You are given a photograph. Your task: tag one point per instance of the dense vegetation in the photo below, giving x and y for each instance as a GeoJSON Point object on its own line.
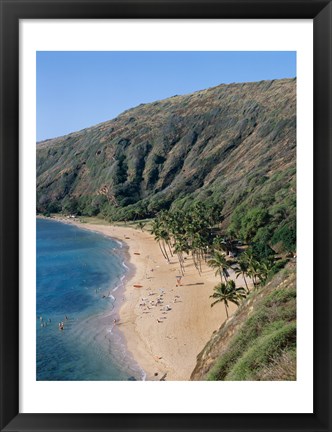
{"type": "Point", "coordinates": [231, 146]}
{"type": "Point", "coordinates": [197, 231]}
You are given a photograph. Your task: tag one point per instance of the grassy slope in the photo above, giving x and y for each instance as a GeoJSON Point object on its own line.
{"type": "Point", "coordinates": [259, 341]}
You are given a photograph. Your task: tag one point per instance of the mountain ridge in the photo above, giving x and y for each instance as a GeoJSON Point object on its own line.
{"type": "Point", "coordinates": [214, 145]}
{"type": "Point", "coordinates": [153, 102]}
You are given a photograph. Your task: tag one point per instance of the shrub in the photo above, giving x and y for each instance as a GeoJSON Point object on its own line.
{"type": "Point", "coordinates": [262, 352]}
{"type": "Point", "coordinates": [285, 238]}
{"type": "Point", "coordinates": [261, 251]}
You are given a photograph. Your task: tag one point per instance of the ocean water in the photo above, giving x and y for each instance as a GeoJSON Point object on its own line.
{"type": "Point", "coordinates": [80, 283]}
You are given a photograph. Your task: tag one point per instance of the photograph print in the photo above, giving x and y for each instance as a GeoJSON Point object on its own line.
{"type": "Point", "coordinates": [166, 216]}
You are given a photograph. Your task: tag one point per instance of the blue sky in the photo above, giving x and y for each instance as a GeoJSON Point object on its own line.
{"type": "Point", "coordinates": [76, 90]}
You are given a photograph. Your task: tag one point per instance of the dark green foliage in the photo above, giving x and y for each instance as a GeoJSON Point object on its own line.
{"type": "Point", "coordinates": [285, 236]}
{"type": "Point", "coordinates": [253, 220]}
{"type": "Point", "coordinates": [263, 234]}
{"type": "Point", "coordinates": [277, 266]}
{"type": "Point", "coordinates": [120, 173]}
{"type": "Point", "coordinates": [265, 211]}
{"type": "Point", "coordinates": [70, 205]}
{"type": "Point", "coordinates": [261, 251]}
{"type": "Point", "coordinates": [158, 159]}
{"type": "Point", "coordinates": [92, 206]}
{"type": "Point", "coordinates": [54, 207]}
{"type": "Point", "coordinates": [153, 177]}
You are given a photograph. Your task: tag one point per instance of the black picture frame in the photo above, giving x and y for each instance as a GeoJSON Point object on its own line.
{"type": "Point", "coordinates": [14, 10]}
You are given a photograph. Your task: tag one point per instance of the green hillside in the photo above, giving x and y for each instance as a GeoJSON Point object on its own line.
{"type": "Point", "coordinates": [232, 147]}
{"type": "Point", "coordinates": [258, 343]}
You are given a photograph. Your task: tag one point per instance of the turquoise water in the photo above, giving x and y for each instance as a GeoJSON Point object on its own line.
{"type": "Point", "coordinates": [80, 283]}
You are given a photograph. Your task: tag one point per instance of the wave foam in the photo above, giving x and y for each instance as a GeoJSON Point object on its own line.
{"type": "Point", "coordinates": [119, 243]}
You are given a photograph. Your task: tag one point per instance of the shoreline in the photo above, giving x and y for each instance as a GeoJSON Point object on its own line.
{"type": "Point", "coordinates": [117, 292]}
{"type": "Point", "coordinates": [164, 339]}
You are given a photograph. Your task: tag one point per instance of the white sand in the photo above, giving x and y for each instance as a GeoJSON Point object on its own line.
{"type": "Point", "coordinates": [171, 345]}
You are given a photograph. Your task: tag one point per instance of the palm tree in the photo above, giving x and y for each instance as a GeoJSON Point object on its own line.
{"type": "Point", "coordinates": [220, 263]}
{"type": "Point", "coordinates": [254, 271]}
{"type": "Point", "coordinates": [242, 270]}
{"type": "Point", "coordinates": [228, 292]}
{"type": "Point", "coordinates": [141, 225]}
{"type": "Point", "coordinates": [180, 247]}
{"type": "Point", "coordinates": [157, 231]}
{"type": "Point", "coordinates": [265, 269]}
{"type": "Point", "coordinates": [217, 243]}
{"type": "Point", "coordinates": [226, 244]}
{"type": "Point", "coordinates": [252, 266]}
{"type": "Point", "coordinates": [165, 220]}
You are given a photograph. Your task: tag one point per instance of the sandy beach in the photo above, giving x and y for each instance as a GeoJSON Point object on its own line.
{"type": "Point", "coordinates": [164, 338]}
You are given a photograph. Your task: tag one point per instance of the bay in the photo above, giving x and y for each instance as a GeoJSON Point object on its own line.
{"type": "Point", "coordinates": [80, 277]}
